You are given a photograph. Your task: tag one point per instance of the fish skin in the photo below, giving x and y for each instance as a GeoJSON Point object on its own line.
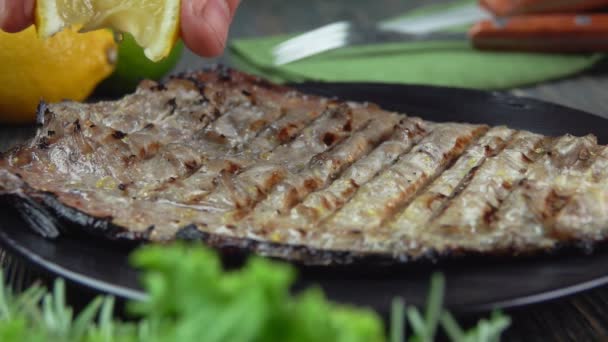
{"type": "Point", "coordinates": [242, 164]}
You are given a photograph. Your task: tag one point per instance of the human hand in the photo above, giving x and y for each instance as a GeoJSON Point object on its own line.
{"type": "Point", "coordinates": [204, 23]}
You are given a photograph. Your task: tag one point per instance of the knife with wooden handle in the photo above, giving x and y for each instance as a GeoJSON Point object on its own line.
{"type": "Point", "coordinates": [504, 8]}
{"type": "Point", "coordinates": [565, 33]}
{"type": "Point", "coordinates": [551, 33]}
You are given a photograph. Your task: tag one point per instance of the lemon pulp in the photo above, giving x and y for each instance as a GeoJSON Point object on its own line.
{"type": "Point", "coordinates": [154, 24]}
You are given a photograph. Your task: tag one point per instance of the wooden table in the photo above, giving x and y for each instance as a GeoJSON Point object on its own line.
{"type": "Point", "coordinates": [583, 317]}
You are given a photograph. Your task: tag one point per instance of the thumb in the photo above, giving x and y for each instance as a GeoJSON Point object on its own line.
{"type": "Point", "coordinates": [205, 25]}
{"type": "Point", "coordinates": [16, 15]}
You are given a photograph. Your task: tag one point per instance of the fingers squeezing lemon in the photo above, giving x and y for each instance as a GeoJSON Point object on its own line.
{"type": "Point", "coordinates": [53, 62]}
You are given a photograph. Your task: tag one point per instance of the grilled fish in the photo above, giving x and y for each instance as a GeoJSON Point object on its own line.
{"type": "Point", "coordinates": [237, 162]}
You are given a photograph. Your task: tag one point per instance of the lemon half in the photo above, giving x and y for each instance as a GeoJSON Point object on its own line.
{"type": "Point", "coordinates": [153, 23]}
{"type": "Point", "coordinates": [68, 65]}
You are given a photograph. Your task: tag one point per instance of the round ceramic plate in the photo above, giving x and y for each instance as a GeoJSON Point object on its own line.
{"type": "Point", "coordinates": [473, 284]}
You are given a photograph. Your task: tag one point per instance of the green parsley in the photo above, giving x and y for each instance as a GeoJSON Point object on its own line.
{"type": "Point", "coordinates": [191, 298]}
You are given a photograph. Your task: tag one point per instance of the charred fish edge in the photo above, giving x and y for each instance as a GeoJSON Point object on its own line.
{"type": "Point", "coordinates": [65, 220]}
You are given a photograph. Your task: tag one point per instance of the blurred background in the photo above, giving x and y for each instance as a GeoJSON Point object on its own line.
{"type": "Point", "coordinates": [581, 84]}
{"type": "Point", "coordinates": [71, 65]}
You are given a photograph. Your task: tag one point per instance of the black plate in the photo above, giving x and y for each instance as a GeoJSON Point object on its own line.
{"type": "Point", "coordinates": [473, 284]}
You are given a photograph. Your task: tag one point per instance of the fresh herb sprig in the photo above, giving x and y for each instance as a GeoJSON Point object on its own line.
{"type": "Point", "coordinates": [191, 298]}
{"type": "Point", "coordinates": [426, 326]}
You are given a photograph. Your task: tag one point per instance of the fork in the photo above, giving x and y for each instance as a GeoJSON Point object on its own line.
{"type": "Point", "coordinates": [344, 33]}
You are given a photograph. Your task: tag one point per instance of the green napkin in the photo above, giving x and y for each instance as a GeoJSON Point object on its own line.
{"type": "Point", "coordinates": [447, 63]}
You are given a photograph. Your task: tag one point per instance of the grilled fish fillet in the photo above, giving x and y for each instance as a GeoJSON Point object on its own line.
{"type": "Point", "coordinates": [240, 163]}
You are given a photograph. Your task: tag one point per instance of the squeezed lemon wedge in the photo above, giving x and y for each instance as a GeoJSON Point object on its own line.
{"type": "Point", "coordinates": [153, 23]}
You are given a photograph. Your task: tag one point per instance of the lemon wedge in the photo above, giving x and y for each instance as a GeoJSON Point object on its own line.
{"type": "Point", "coordinates": [153, 23]}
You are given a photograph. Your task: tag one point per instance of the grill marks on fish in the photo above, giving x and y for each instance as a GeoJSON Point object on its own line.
{"type": "Point", "coordinates": [319, 205]}
{"type": "Point", "coordinates": [239, 125]}
{"type": "Point", "coordinates": [244, 163]}
{"type": "Point", "coordinates": [321, 169]}
{"type": "Point", "coordinates": [299, 113]}
{"type": "Point", "coordinates": [414, 218]}
{"type": "Point", "coordinates": [547, 187]}
{"type": "Point", "coordinates": [243, 192]}
{"type": "Point", "coordinates": [294, 114]}
{"type": "Point", "coordinates": [114, 146]}
{"type": "Point", "coordinates": [584, 213]}
{"type": "Point", "coordinates": [383, 196]}
{"type": "Point", "coordinates": [167, 161]}
{"type": "Point", "coordinates": [470, 213]}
